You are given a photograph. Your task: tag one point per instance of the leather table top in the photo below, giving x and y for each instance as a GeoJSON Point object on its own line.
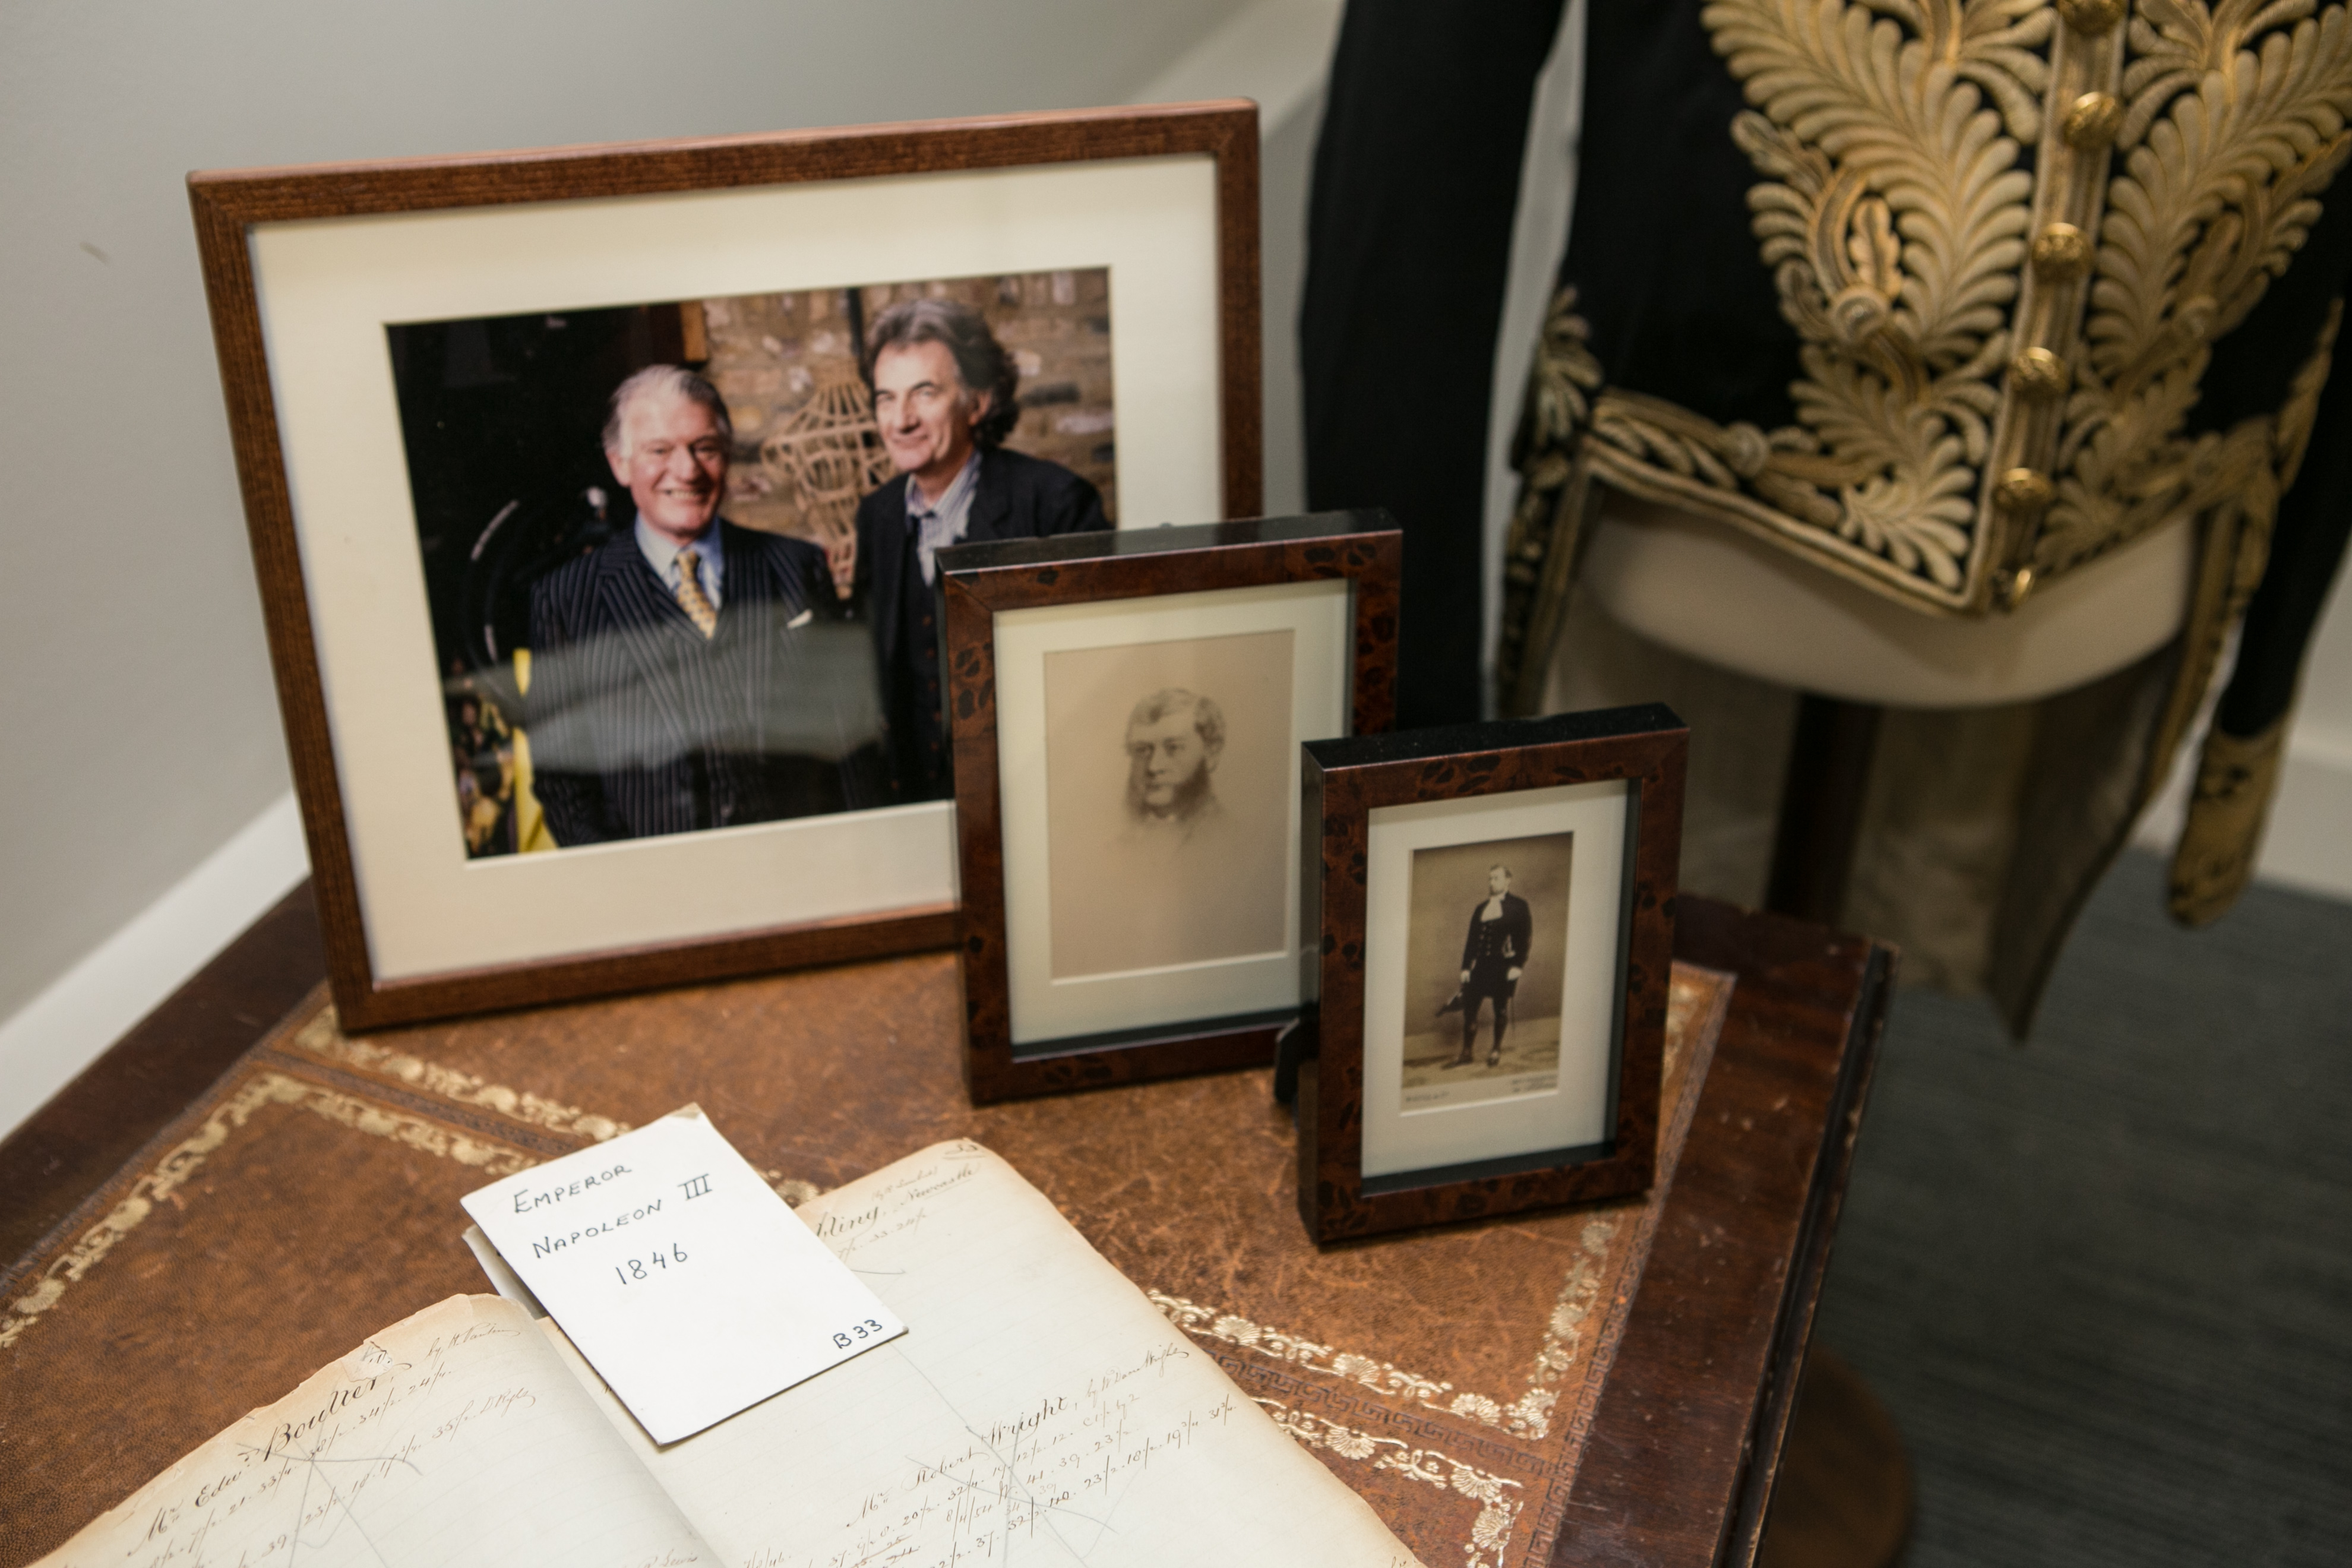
{"type": "Point", "coordinates": [311, 1196]}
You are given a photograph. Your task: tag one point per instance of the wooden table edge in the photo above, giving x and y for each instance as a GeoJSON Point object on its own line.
{"type": "Point", "coordinates": [1819, 1228]}
{"type": "Point", "coordinates": [1724, 1473]}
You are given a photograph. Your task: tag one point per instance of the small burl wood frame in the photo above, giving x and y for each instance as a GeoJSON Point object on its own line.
{"type": "Point", "coordinates": [1322, 1068]}
{"type": "Point", "coordinates": [229, 203]}
{"type": "Point", "coordinates": [977, 582]}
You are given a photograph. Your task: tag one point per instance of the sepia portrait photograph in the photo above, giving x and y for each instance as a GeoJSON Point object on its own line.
{"type": "Point", "coordinates": [1492, 936]}
{"type": "Point", "coordinates": [1167, 784]}
{"type": "Point", "coordinates": [680, 557]}
{"type": "Point", "coordinates": [1491, 924]}
{"type": "Point", "coordinates": [1487, 937]}
{"type": "Point", "coordinates": [1146, 754]}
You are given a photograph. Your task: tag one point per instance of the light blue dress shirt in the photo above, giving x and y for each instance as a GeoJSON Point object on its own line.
{"type": "Point", "coordinates": [661, 553]}
{"type": "Point", "coordinates": [941, 524]}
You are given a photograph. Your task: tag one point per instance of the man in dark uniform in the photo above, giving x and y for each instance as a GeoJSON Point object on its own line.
{"type": "Point", "coordinates": [944, 400]}
{"type": "Point", "coordinates": [1494, 956]}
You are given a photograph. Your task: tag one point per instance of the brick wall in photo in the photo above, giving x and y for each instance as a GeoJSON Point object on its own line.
{"type": "Point", "coordinates": [805, 446]}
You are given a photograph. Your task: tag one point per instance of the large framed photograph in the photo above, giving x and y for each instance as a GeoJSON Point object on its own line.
{"type": "Point", "coordinates": [1127, 714]}
{"type": "Point", "coordinates": [596, 497]}
{"type": "Point", "coordinates": [1495, 910]}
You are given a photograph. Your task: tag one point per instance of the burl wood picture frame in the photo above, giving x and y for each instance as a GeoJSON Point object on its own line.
{"type": "Point", "coordinates": [1559, 839]}
{"type": "Point", "coordinates": [1126, 713]}
{"type": "Point", "coordinates": [308, 270]}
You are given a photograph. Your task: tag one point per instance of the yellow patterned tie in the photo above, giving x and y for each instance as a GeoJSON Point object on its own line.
{"type": "Point", "coordinates": [690, 597]}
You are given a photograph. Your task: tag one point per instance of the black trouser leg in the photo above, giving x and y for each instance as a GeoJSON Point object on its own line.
{"type": "Point", "coordinates": [1469, 1027]}
{"type": "Point", "coordinates": [1502, 1019]}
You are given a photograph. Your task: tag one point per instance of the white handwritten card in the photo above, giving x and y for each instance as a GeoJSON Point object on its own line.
{"type": "Point", "coordinates": [683, 1279]}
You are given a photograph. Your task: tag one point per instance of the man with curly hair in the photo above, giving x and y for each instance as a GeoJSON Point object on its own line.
{"type": "Point", "coordinates": [945, 398]}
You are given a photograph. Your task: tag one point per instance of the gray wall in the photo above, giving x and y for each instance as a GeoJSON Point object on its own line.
{"type": "Point", "coordinates": [134, 686]}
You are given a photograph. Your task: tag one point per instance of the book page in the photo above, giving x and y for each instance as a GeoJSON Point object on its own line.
{"type": "Point", "coordinates": [1038, 1409]}
{"type": "Point", "coordinates": [454, 1437]}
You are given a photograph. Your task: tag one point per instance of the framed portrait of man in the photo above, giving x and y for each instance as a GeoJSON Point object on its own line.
{"type": "Point", "coordinates": [1127, 714]}
{"type": "Point", "coordinates": [598, 495]}
{"type": "Point", "coordinates": [1495, 910]}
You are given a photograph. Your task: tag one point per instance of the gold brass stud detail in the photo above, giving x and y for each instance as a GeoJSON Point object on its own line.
{"type": "Point", "coordinates": [2091, 18]}
{"type": "Point", "coordinates": [2023, 490]}
{"type": "Point", "coordinates": [2015, 586]}
{"type": "Point", "coordinates": [2061, 253]}
{"type": "Point", "coordinates": [2038, 373]}
{"type": "Point", "coordinates": [2093, 120]}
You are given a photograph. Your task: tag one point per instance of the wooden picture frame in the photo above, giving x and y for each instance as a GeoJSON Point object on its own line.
{"type": "Point", "coordinates": [1116, 605]}
{"type": "Point", "coordinates": [299, 264]}
{"type": "Point", "coordinates": [1387, 1140]}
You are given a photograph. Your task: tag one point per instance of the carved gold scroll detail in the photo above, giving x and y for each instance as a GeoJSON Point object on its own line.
{"type": "Point", "coordinates": [1963, 320]}
{"type": "Point", "coordinates": [1893, 215]}
{"type": "Point", "coordinates": [2233, 123]}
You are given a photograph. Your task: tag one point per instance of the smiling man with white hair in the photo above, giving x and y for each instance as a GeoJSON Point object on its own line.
{"type": "Point", "coordinates": [675, 677]}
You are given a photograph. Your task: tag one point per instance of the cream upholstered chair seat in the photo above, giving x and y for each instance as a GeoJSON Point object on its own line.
{"type": "Point", "coordinates": [1712, 593]}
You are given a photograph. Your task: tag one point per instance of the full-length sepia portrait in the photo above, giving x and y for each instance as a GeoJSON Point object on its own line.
{"type": "Point", "coordinates": [1484, 969]}
{"type": "Point", "coordinates": [1494, 931]}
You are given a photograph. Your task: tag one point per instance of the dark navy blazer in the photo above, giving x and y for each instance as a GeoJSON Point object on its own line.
{"type": "Point", "coordinates": [1015, 496]}
{"type": "Point", "coordinates": [1494, 948]}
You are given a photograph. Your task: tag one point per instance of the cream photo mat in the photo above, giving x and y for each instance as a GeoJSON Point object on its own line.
{"type": "Point", "coordinates": [1320, 617]}
{"type": "Point", "coordinates": [328, 288]}
{"type": "Point", "coordinates": [1578, 1113]}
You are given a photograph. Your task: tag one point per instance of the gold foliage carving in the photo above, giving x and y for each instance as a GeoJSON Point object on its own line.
{"type": "Point", "coordinates": [2233, 125]}
{"type": "Point", "coordinates": [1561, 381]}
{"type": "Point", "coordinates": [1897, 215]}
{"type": "Point", "coordinates": [1894, 215]}
{"type": "Point", "coordinates": [1554, 416]}
{"type": "Point", "coordinates": [2236, 778]}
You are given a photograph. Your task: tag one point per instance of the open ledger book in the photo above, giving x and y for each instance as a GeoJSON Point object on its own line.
{"type": "Point", "coordinates": [1039, 1409]}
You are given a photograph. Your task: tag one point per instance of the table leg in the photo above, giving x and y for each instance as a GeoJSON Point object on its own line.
{"type": "Point", "coordinates": [1843, 1495]}
{"type": "Point", "coordinates": [1821, 807]}
{"type": "Point", "coordinates": [1843, 1499]}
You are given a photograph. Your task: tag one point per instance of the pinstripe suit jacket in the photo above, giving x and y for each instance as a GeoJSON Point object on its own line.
{"type": "Point", "coordinates": [639, 726]}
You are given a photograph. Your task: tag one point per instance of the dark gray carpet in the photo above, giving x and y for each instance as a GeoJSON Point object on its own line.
{"type": "Point", "coordinates": [2103, 1281]}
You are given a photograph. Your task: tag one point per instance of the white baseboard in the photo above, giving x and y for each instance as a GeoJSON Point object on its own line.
{"type": "Point", "coordinates": [2309, 844]}
{"type": "Point", "coordinates": [64, 1029]}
